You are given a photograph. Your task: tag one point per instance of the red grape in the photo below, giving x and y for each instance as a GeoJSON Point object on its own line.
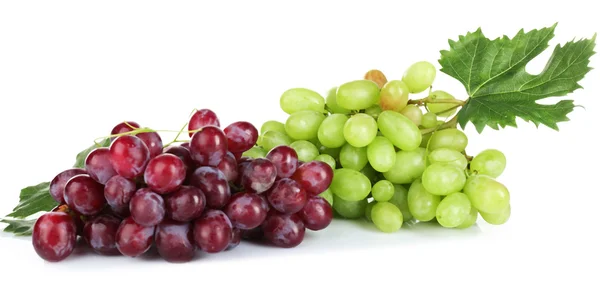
{"type": "Point", "coordinates": [214, 185]}
{"type": "Point", "coordinates": [100, 233]}
{"type": "Point", "coordinates": [209, 146]}
{"type": "Point", "coordinates": [98, 166]}
{"type": "Point", "coordinates": [241, 136]}
{"type": "Point", "coordinates": [238, 156]}
{"type": "Point", "coordinates": [317, 213]}
{"type": "Point", "coordinates": [152, 141]}
{"type": "Point", "coordinates": [124, 127]}
{"type": "Point", "coordinates": [314, 176]}
{"type": "Point", "coordinates": [118, 192]}
{"type": "Point", "coordinates": [185, 204]}
{"type": "Point", "coordinates": [285, 160]}
{"type": "Point", "coordinates": [129, 156]}
{"type": "Point", "coordinates": [54, 236]}
{"type": "Point", "coordinates": [203, 118]}
{"type": "Point", "coordinates": [183, 154]}
{"type": "Point", "coordinates": [186, 145]}
{"type": "Point", "coordinates": [287, 196]}
{"type": "Point", "coordinates": [236, 238]}
{"type": "Point", "coordinates": [133, 239]}
{"type": "Point", "coordinates": [165, 173]}
{"type": "Point", "coordinates": [229, 167]}
{"type": "Point", "coordinates": [247, 210]}
{"type": "Point", "coordinates": [259, 175]}
{"type": "Point", "coordinates": [57, 185]}
{"type": "Point", "coordinates": [212, 231]}
{"type": "Point", "coordinates": [147, 207]}
{"type": "Point", "coordinates": [84, 195]}
{"type": "Point", "coordinates": [174, 241]}
{"type": "Point", "coordinates": [283, 230]}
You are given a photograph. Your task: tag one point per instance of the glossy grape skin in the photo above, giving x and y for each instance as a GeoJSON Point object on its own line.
{"type": "Point", "coordinates": [438, 108]}
{"type": "Point", "coordinates": [315, 177]}
{"type": "Point", "coordinates": [57, 185]}
{"type": "Point", "coordinates": [349, 209]}
{"type": "Point", "coordinates": [409, 166]}
{"type": "Point", "coordinates": [175, 241]}
{"type": "Point", "coordinates": [54, 236]}
{"type": "Point", "coordinates": [350, 184]}
{"type": "Point", "coordinates": [470, 220]}
{"type": "Point", "coordinates": [332, 104]}
{"type": "Point", "coordinates": [381, 154]}
{"type": "Point", "coordinates": [213, 183]}
{"type": "Point", "coordinates": [327, 195]}
{"type": "Point", "coordinates": [287, 196]}
{"type": "Point", "coordinates": [246, 210]}
{"type": "Point", "coordinates": [185, 204]}
{"type": "Point", "coordinates": [118, 191]}
{"type": "Point", "coordinates": [490, 162]}
{"type": "Point", "coordinates": [98, 166]}
{"type": "Point", "coordinates": [236, 238]}
{"type": "Point", "coordinates": [100, 233]}
{"type": "Point", "coordinates": [285, 160]}
{"type": "Point", "coordinates": [413, 113]}
{"type": "Point", "coordinates": [133, 239]}
{"type": "Point", "coordinates": [353, 157]}
{"type": "Point", "coordinates": [386, 217]}
{"type": "Point", "coordinates": [317, 214]}
{"type": "Point", "coordinates": [283, 230]}
{"type": "Point", "coordinates": [443, 179]}
{"type": "Point", "coordinates": [383, 190]}
{"type": "Point", "coordinates": [498, 218]}
{"type": "Point", "coordinates": [229, 167]}
{"type": "Point", "coordinates": [147, 207]}
{"type": "Point", "coordinates": [259, 175]}
{"type": "Point", "coordinates": [129, 156]}
{"type": "Point", "coordinates": [272, 139]}
{"type": "Point", "coordinates": [212, 231]}
{"type": "Point", "coordinates": [301, 99]}
{"type": "Point", "coordinates": [124, 127]}
{"type": "Point", "coordinates": [400, 200]}
{"type": "Point", "coordinates": [394, 96]}
{"type": "Point", "coordinates": [448, 156]}
{"type": "Point", "coordinates": [376, 76]}
{"type": "Point", "coordinates": [241, 136]}
{"type": "Point", "coordinates": [400, 130]}
{"type": "Point", "coordinates": [453, 210]}
{"type": "Point", "coordinates": [357, 95]}
{"type": "Point", "coordinates": [306, 151]}
{"type": "Point", "coordinates": [202, 118]}
{"type": "Point", "coordinates": [185, 156]}
{"type": "Point", "coordinates": [304, 125]}
{"type": "Point", "coordinates": [209, 146]}
{"type": "Point", "coordinates": [449, 138]}
{"type": "Point", "coordinates": [84, 195]}
{"type": "Point", "coordinates": [331, 131]}
{"type": "Point", "coordinates": [360, 130]}
{"type": "Point", "coordinates": [429, 120]}
{"type": "Point", "coordinates": [419, 76]}
{"type": "Point", "coordinates": [165, 173]}
{"type": "Point", "coordinates": [487, 194]}
{"type": "Point", "coordinates": [421, 203]}
{"type": "Point", "coordinates": [272, 125]}
{"type": "Point", "coordinates": [255, 152]}
{"type": "Point", "coordinates": [327, 159]}
{"type": "Point", "coordinates": [153, 142]}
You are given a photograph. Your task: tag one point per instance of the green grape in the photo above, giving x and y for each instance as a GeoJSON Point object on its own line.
{"type": "Point", "coordinates": [300, 99]}
{"type": "Point", "coordinates": [413, 113]}
{"type": "Point", "coordinates": [421, 203]}
{"type": "Point", "coordinates": [349, 209]}
{"type": "Point", "coordinates": [331, 131]}
{"type": "Point", "coordinates": [350, 184]}
{"type": "Point", "coordinates": [353, 157]}
{"type": "Point", "coordinates": [443, 179]}
{"type": "Point", "coordinates": [272, 126]}
{"type": "Point", "coordinates": [333, 152]}
{"type": "Point", "coordinates": [470, 220]}
{"type": "Point", "coordinates": [429, 120]}
{"type": "Point", "coordinates": [306, 151]}
{"type": "Point", "coordinates": [370, 173]}
{"type": "Point", "coordinates": [449, 138]}
{"type": "Point", "coordinates": [448, 156]}
{"type": "Point", "coordinates": [487, 194]}
{"type": "Point", "coordinates": [425, 140]}
{"type": "Point", "coordinates": [327, 195]}
{"type": "Point", "coordinates": [400, 130]}
{"type": "Point", "coordinates": [332, 104]}
{"type": "Point", "coordinates": [400, 200]}
{"type": "Point", "coordinates": [272, 139]}
{"type": "Point", "coordinates": [490, 162]}
{"type": "Point", "coordinates": [255, 152]}
{"type": "Point", "coordinates": [453, 210]}
{"type": "Point", "coordinates": [386, 217]}
{"type": "Point", "coordinates": [393, 96]}
{"type": "Point", "coordinates": [497, 218]}
{"type": "Point", "coordinates": [368, 210]}
{"type": "Point", "coordinates": [360, 130]}
{"type": "Point", "coordinates": [408, 167]}
{"type": "Point", "coordinates": [383, 190]}
{"type": "Point", "coordinates": [304, 125]}
{"type": "Point", "coordinates": [357, 95]}
{"type": "Point", "coordinates": [441, 109]}
{"type": "Point", "coordinates": [327, 159]}
{"type": "Point", "coordinates": [373, 111]}
{"type": "Point", "coordinates": [419, 76]}
{"type": "Point", "coordinates": [381, 154]}
{"type": "Point", "coordinates": [315, 141]}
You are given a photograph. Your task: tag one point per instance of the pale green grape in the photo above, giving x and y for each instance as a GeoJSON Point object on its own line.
{"type": "Point", "coordinates": [490, 162]}
{"type": "Point", "coordinates": [400, 200]}
{"type": "Point", "coordinates": [304, 125]}
{"type": "Point", "coordinates": [487, 194]}
{"type": "Point", "coordinates": [453, 210]}
{"type": "Point", "coordinates": [425, 140]}
{"type": "Point", "coordinates": [272, 126]}
{"type": "Point", "coordinates": [360, 130]}
{"type": "Point", "coordinates": [350, 184]}
{"type": "Point", "coordinates": [373, 111]}
{"type": "Point", "coordinates": [357, 95]}
{"type": "Point", "coordinates": [449, 138]}
{"type": "Point", "coordinates": [327, 195]}
{"type": "Point", "coordinates": [421, 203]}
{"type": "Point", "coordinates": [429, 120]}
{"type": "Point", "coordinates": [327, 159]}
{"type": "Point", "coordinates": [332, 104]}
{"type": "Point", "coordinates": [368, 210]}
{"type": "Point", "coordinates": [331, 131]}
{"type": "Point", "coordinates": [333, 152]}
{"type": "Point", "coordinates": [353, 157]}
{"type": "Point", "coordinates": [497, 218]}
{"type": "Point", "coordinates": [255, 152]}
{"type": "Point", "coordinates": [443, 179]}
{"type": "Point", "coordinates": [272, 139]}
{"type": "Point", "coordinates": [470, 220]}
{"type": "Point", "coordinates": [306, 151]}
{"type": "Point", "coordinates": [441, 109]}
{"type": "Point", "coordinates": [408, 167]}
{"type": "Point", "coordinates": [413, 113]}
{"type": "Point", "coordinates": [448, 156]}
{"type": "Point", "coordinates": [383, 190]}
{"type": "Point", "coordinates": [393, 96]}
{"type": "Point", "coordinates": [370, 173]}
{"type": "Point", "coordinates": [400, 130]}
{"type": "Point", "coordinates": [381, 154]}
{"type": "Point", "coordinates": [300, 99]}
{"type": "Point", "coordinates": [386, 217]}
{"type": "Point", "coordinates": [348, 208]}
{"type": "Point", "coordinates": [419, 76]}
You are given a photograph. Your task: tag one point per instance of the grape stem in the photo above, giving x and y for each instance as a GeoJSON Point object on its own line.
{"type": "Point", "coordinates": [450, 124]}
{"type": "Point", "coordinates": [428, 100]}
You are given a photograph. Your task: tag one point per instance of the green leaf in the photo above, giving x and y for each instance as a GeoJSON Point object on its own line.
{"type": "Point", "coordinates": [80, 159]}
{"type": "Point", "coordinates": [500, 89]}
{"type": "Point", "coordinates": [19, 227]}
{"type": "Point", "coordinates": [34, 199]}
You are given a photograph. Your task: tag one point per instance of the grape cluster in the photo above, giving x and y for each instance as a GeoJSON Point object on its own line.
{"type": "Point", "coordinates": [201, 194]}
{"type": "Point", "coordinates": [395, 159]}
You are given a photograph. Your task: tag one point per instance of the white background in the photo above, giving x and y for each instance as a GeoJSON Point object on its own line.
{"type": "Point", "coordinates": [71, 70]}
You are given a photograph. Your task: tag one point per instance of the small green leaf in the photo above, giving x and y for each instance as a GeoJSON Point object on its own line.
{"type": "Point", "coordinates": [34, 199]}
{"type": "Point", "coordinates": [19, 227]}
{"type": "Point", "coordinates": [81, 156]}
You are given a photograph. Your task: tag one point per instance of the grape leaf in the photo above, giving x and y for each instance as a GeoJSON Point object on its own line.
{"type": "Point", "coordinates": [80, 159]}
{"type": "Point", "coordinates": [500, 89]}
{"type": "Point", "coordinates": [19, 227]}
{"type": "Point", "coordinates": [34, 199]}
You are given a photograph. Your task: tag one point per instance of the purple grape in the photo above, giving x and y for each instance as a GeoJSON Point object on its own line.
{"type": "Point", "coordinates": [213, 184]}
{"type": "Point", "coordinates": [185, 156]}
{"type": "Point", "coordinates": [247, 210]}
{"type": "Point", "coordinates": [229, 167]}
{"type": "Point", "coordinates": [314, 176]}
{"type": "Point", "coordinates": [287, 196]}
{"type": "Point", "coordinates": [283, 230]}
{"type": "Point", "coordinates": [209, 146]}
{"type": "Point", "coordinates": [212, 231]}
{"type": "Point", "coordinates": [174, 241]}
{"type": "Point", "coordinates": [259, 175]}
{"type": "Point", "coordinates": [317, 213]}
{"type": "Point", "coordinates": [241, 136]}
{"type": "Point", "coordinates": [285, 160]}
{"type": "Point", "coordinates": [129, 156]}
{"type": "Point", "coordinates": [203, 118]}
{"type": "Point", "coordinates": [124, 127]}
{"type": "Point", "coordinates": [100, 233]}
{"type": "Point", "coordinates": [147, 208]}
{"type": "Point", "coordinates": [133, 239]}
{"type": "Point", "coordinates": [185, 204]}
{"type": "Point", "coordinates": [236, 238]}
{"type": "Point", "coordinates": [153, 142]}
{"type": "Point", "coordinates": [165, 173]}
{"type": "Point", "coordinates": [54, 236]}
{"type": "Point", "coordinates": [84, 195]}
{"type": "Point", "coordinates": [186, 145]}
{"type": "Point", "coordinates": [57, 185]}
{"type": "Point", "coordinates": [118, 191]}
{"type": "Point", "coordinates": [98, 166]}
